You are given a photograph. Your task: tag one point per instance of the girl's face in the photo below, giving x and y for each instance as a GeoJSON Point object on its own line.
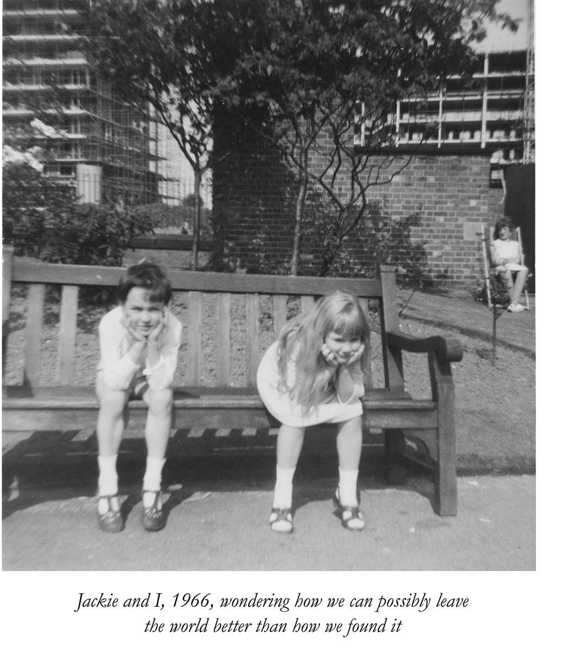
{"type": "Point", "coordinates": [504, 233]}
{"type": "Point", "coordinates": [140, 313]}
{"type": "Point", "coordinates": [342, 346]}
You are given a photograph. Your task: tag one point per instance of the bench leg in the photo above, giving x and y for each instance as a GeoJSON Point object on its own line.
{"type": "Point", "coordinates": [394, 449]}
{"type": "Point", "coordinates": [445, 486]}
{"type": "Point", "coordinates": [445, 481]}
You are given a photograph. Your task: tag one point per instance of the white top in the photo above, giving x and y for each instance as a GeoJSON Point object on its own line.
{"type": "Point", "coordinates": [289, 411]}
{"type": "Point", "coordinates": [506, 251]}
{"type": "Point", "coordinates": [119, 370]}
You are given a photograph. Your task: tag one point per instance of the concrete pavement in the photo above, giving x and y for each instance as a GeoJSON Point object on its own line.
{"type": "Point", "coordinates": [225, 528]}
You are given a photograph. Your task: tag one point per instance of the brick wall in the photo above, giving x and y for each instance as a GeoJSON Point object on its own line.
{"type": "Point", "coordinates": [254, 195]}
{"type": "Point", "coordinates": [451, 194]}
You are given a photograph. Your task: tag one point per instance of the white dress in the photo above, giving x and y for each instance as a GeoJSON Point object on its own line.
{"type": "Point", "coordinates": [288, 411]}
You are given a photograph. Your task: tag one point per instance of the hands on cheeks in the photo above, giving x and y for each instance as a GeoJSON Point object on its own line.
{"type": "Point", "coordinates": [156, 332]}
{"type": "Point", "coordinates": [151, 337]}
{"type": "Point", "coordinates": [334, 359]}
{"type": "Point", "coordinates": [144, 346]}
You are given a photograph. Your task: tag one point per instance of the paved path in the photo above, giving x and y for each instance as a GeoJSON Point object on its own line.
{"type": "Point", "coordinates": [225, 529]}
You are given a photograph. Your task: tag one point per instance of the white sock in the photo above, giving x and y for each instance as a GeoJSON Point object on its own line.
{"type": "Point", "coordinates": [348, 482]}
{"type": "Point", "coordinates": [283, 492]}
{"type": "Point", "coordinates": [107, 475]}
{"type": "Point", "coordinates": [152, 477]}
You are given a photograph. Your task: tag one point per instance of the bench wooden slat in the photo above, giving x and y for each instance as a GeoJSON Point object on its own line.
{"type": "Point", "coordinates": [392, 359]}
{"type": "Point", "coordinates": [195, 433]}
{"type": "Point", "coordinates": [193, 330]}
{"type": "Point", "coordinates": [236, 414]}
{"type": "Point", "coordinates": [369, 378]}
{"type": "Point", "coordinates": [28, 271]}
{"type": "Point", "coordinates": [67, 333]}
{"type": "Point", "coordinates": [374, 380]}
{"type": "Point", "coordinates": [307, 302]}
{"type": "Point", "coordinates": [7, 265]}
{"type": "Point", "coordinates": [279, 313]}
{"type": "Point", "coordinates": [34, 323]}
{"type": "Point", "coordinates": [223, 339]}
{"type": "Point", "coordinates": [252, 337]}
{"type": "Point", "coordinates": [60, 395]}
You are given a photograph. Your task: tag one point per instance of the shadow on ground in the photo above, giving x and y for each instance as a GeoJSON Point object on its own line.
{"type": "Point", "coordinates": [62, 465]}
{"type": "Point", "coordinates": [57, 465]}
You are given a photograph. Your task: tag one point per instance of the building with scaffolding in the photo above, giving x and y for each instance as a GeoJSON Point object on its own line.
{"type": "Point", "coordinates": [489, 113]}
{"type": "Point", "coordinates": [51, 98]}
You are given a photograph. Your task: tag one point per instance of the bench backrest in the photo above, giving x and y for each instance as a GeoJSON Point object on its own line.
{"type": "Point", "coordinates": [217, 292]}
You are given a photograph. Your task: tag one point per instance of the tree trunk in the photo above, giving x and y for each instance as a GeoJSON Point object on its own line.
{"type": "Point", "coordinates": [299, 212]}
{"type": "Point", "coordinates": [196, 221]}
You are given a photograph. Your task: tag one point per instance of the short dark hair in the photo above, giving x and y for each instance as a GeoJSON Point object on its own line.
{"type": "Point", "coordinates": [145, 274]}
{"type": "Point", "coordinates": [505, 221]}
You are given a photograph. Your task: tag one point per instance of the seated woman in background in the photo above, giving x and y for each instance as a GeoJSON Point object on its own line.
{"type": "Point", "coordinates": [506, 256]}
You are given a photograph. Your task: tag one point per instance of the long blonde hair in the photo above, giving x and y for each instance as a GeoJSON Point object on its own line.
{"type": "Point", "coordinates": [301, 340]}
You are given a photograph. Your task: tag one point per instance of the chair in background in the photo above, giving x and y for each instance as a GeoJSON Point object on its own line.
{"type": "Point", "coordinates": [495, 288]}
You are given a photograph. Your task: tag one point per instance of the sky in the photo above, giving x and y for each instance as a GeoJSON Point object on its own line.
{"type": "Point", "coordinates": [503, 40]}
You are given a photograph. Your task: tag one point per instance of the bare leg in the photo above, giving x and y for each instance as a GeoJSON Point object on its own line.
{"type": "Point", "coordinates": [157, 430]}
{"type": "Point", "coordinates": [508, 279]}
{"type": "Point", "coordinates": [289, 445]}
{"type": "Point", "coordinates": [158, 425]}
{"type": "Point", "coordinates": [519, 284]}
{"type": "Point", "coordinates": [109, 430]}
{"type": "Point", "coordinates": [110, 422]}
{"type": "Point", "coordinates": [349, 446]}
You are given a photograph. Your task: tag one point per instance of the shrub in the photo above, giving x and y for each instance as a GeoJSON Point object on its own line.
{"type": "Point", "coordinates": [90, 234]}
{"type": "Point", "coordinates": [396, 247]}
{"type": "Point", "coordinates": [42, 219]}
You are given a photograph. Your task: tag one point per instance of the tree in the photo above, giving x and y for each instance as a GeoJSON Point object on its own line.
{"type": "Point", "coordinates": [149, 50]}
{"type": "Point", "coordinates": [297, 70]}
{"type": "Point", "coordinates": [313, 66]}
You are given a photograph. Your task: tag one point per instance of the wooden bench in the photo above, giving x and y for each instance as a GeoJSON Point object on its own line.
{"type": "Point", "coordinates": [264, 304]}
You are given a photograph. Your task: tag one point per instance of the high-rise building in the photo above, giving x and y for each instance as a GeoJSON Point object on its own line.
{"type": "Point", "coordinates": [52, 99]}
{"type": "Point", "coordinates": [486, 113]}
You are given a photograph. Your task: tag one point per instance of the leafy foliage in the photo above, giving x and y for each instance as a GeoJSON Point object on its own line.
{"type": "Point", "coordinates": [300, 72]}
{"type": "Point", "coordinates": [396, 247]}
{"type": "Point", "coordinates": [390, 239]}
{"type": "Point", "coordinates": [158, 61]}
{"type": "Point", "coordinates": [172, 218]}
{"type": "Point", "coordinates": [42, 219]}
{"type": "Point", "coordinates": [312, 66]}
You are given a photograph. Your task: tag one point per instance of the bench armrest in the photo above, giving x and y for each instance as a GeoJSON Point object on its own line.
{"type": "Point", "coordinates": [448, 349]}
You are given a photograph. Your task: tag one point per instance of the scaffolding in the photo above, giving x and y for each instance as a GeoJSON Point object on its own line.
{"type": "Point", "coordinates": [107, 148]}
{"type": "Point", "coordinates": [529, 105]}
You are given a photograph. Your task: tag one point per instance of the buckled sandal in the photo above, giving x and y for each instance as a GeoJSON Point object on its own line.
{"type": "Point", "coordinates": [281, 520]}
{"type": "Point", "coordinates": [153, 517]}
{"type": "Point", "coordinates": [350, 517]}
{"type": "Point", "coordinates": [111, 520]}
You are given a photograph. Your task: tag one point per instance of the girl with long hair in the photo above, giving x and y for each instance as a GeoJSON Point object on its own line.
{"type": "Point", "coordinates": [314, 374]}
